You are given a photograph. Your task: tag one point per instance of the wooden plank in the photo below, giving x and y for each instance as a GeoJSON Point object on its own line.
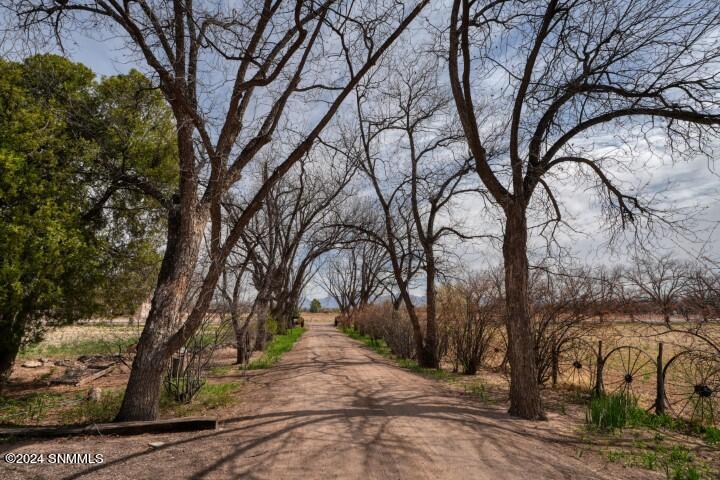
{"type": "Point", "coordinates": [170, 425]}
{"type": "Point", "coordinates": [95, 376]}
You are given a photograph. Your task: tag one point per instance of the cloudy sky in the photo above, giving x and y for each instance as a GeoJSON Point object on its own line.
{"type": "Point", "coordinates": [687, 186]}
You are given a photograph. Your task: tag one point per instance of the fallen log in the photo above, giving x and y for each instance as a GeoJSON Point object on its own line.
{"type": "Point", "coordinates": [171, 425]}
{"type": "Point", "coordinates": [95, 376]}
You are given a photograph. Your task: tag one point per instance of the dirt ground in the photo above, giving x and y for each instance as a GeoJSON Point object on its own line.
{"type": "Point", "coordinates": [334, 409]}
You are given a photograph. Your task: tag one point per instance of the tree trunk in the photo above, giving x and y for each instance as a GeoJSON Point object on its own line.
{"type": "Point", "coordinates": [525, 399]}
{"type": "Point", "coordinates": [261, 326]}
{"type": "Point", "coordinates": [242, 339]}
{"type": "Point", "coordinates": [429, 358]}
{"type": "Point", "coordinates": [142, 395]}
{"type": "Point", "coordinates": [9, 348]}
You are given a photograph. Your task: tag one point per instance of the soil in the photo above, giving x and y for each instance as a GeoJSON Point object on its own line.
{"type": "Point", "coordinates": [334, 409]}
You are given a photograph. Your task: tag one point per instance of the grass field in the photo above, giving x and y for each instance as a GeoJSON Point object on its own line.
{"type": "Point", "coordinates": [32, 398]}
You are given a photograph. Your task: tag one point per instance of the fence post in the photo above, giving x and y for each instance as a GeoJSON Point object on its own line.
{"type": "Point", "coordinates": [660, 391]}
{"type": "Point", "coordinates": [598, 370]}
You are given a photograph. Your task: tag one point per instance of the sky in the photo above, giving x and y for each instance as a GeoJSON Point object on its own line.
{"type": "Point", "coordinates": [690, 185]}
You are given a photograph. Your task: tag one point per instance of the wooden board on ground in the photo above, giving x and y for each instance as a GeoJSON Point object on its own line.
{"type": "Point", "coordinates": [95, 376]}
{"type": "Point", "coordinates": [120, 428]}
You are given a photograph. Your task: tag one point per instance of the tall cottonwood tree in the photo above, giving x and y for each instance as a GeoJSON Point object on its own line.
{"type": "Point", "coordinates": [560, 73]}
{"type": "Point", "coordinates": [408, 149]}
{"type": "Point", "coordinates": [296, 226]}
{"type": "Point", "coordinates": [261, 57]}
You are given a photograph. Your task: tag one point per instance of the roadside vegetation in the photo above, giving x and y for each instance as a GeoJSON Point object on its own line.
{"type": "Point", "coordinates": [654, 442]}
{"type": "Point", "coordinates": [278, 345]}
{"type": "Point", "coordinates": [378, 150]}
{"type": "Point", "coordinates": [614, 425]}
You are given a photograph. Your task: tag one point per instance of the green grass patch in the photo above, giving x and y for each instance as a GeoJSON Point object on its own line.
{"type": "Point", "coordinates": [676, 461]}
{"type": "Point", "coordinates": [79, 347]}
{"type": "Point", "coordinates": [84, 410]}
{"type": "Point", "coordinates": [606, 413]}
{"type": "Point", "coordinates": [609, 412]}
{"type": "Point", "coordinates": [223, 370]}
{"type": "Point", "coordinates": [29, 409]}
{"type": "Point", "coordinates": [210, 397]}
{"type": "Point", "coordinates": [436, 373]}
{"type": "Point", "coordinates": [280, 344]}
{"type": "Point", "coordinates": [711, 435]}
{"type": "Point", "coordinates": [379, 346]}
{"type": "Point", "coordinates": [65, 408]}
{"type": "Point", "coordinates": [74, 408]}
{"type": "Point", "coordinates": [478, 390]}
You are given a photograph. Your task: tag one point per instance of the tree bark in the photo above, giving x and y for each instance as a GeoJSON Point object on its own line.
{"type": "Point", "coordinates": [430, 352]}
{"type": "Point", "coordinates": [261, 325]}
{"type": "Point", "coordinates": [242, 339]}
{"type": "Point", "coordinates": [142, 395]}
{"type": "Point", "coordinates": [9, 348]}
{"type": "Point", "coordinates": [525, 399]}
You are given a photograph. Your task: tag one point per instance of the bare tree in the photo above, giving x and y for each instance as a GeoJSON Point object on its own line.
{"type": "Point", "coordinates": [272, 53]}
{"type": "Point", "coordinates": [296, 226]}
{"type": "Point", "coordinates": [407, 149]}
{"type": "Point", "coordinates": [356, 275]}
{"type": "Point", "coordinates": [472, 311]}
{"type": "Point", "coordinates": [669, 286]}
{"type": "Point", "coordinates": [702, 292]}
{"type": "Point", "coordinates": [571, 70]}
{"type": "Point", "coordinates": [232, 286]}
{"type": "Point", "coordinates": [660, 282]}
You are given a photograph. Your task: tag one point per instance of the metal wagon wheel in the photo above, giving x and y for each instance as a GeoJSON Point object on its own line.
{"type": "Point", "coordinates": [577, 364]}
{"type": "Point", "coordinates": [629, 371]}
{"type": "Point", "coordinates": [692, 386]}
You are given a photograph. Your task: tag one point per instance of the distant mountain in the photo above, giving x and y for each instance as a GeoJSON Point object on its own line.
{"type": "Point", "coordinates": [330, 303]}
{"type": "Point", "coordinates": [326, 302]}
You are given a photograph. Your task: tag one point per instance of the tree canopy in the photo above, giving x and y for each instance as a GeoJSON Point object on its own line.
{"type": "Point", "coordinates": [77, 236]}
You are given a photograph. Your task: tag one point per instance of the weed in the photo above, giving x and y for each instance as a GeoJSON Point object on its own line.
{"type": "Point", "coordinates": [221, 371]}
{"type": "Point", "coordinates": [377, 345]}
{"type": "Point", "coordinates": [711, 435]}
{"type": "Point", "coordinates": [478, 390]}
{"type": "Point", "coordinates": [27, 409]}
{"type": "Point", "coordinates": [609, 412]}
{"type": "Point", "coordinates": [209, 397]}
{"type": "Point", "coordinates": [678, 464]}
{"type": "Point", "coordinates": [86, 410]}
{"type": "Point", "coordinates": [435, 373]}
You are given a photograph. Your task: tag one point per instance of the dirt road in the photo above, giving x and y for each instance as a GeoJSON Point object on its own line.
{"type": "Point", "coordinates": [334, 409]}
